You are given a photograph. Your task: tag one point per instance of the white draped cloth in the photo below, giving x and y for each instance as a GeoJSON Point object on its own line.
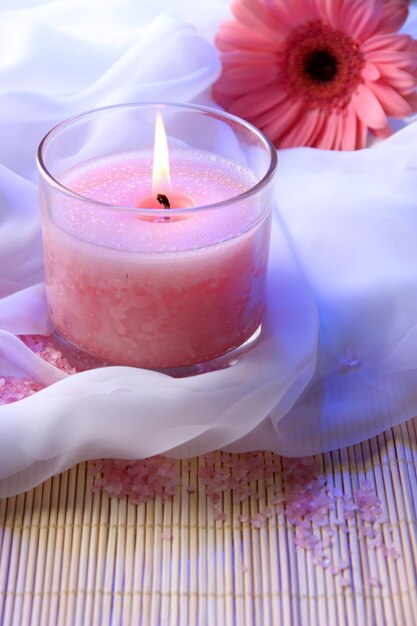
{"type": "Point", "coordinates": [337, 360]}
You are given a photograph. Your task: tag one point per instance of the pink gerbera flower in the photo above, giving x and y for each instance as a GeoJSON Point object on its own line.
{"type": "Point", "coordinates": [318, 72]}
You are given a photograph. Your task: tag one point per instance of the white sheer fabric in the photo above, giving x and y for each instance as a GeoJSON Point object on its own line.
{"type": "Point", "coordinates": [337, 361]}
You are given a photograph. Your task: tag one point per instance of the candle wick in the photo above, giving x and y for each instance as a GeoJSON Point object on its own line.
{"type": "Point", "coordinates": [162, 199]}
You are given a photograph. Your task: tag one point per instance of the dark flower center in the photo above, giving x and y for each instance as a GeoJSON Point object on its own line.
{"type": "Point", "coordinates": [321, 65]}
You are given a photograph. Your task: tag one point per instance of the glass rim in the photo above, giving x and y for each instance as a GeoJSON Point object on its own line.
{"type": "Point", "coordinates": [58, 186]}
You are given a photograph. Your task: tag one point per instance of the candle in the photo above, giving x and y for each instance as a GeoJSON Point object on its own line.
{"type": "Point", "coordinates": [131, 280]}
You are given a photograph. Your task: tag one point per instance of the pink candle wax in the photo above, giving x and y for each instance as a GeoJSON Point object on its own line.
{"type": "Point", "coordinates": [152, 292]}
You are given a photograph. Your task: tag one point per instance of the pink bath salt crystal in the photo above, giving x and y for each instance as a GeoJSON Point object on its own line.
{"type": "Point", "coordinates": [369, 532]}
{"type": "Point", "coordinates": [191, 489]}
{"type": "Point", "coordinates": [166, 535]}
{"type": "Point", "coordinates": [236, 474]}
{"type": "Point", "coordinates": [292, 462]}
{"type": "Point", "coordinates": [244, 569]}
{"type": "Point", "coordinates": [256, 522]}
{"type": "Point", "coordinates": [115, 489]}
{"type": "Point", "coordinates": [261, 517]}
{"type": "Point", "coordinates": [243, 519]}
{"type": "Point", "coordinates": [348, 504]}
{"type": "Point", "coordinates": [322, 561]}
{"type": "Point", "coordinates": [219, 516]}
{"type": "Point", "coordinates": [141, 480]}
{"type": "Point", "coordinates": [384, 550]}
{"type": "Point", "coordinates": [390, 551]}
{"type": "Point", "coordinates": [13, 389]}
{"type": "Point", "coordinates": [306, 539]}
{"type": "Point", "coordinates": [308, 461]}
{"type": "Point", "coordinates": [374, 582]}
{"type": "Point", "coordinates": [267, 512]}
{"type": "Point", "coordinates": [344, 582]}
{"type": "Point", "coordinates": [44, 347]}
{"type": "Point", "coordinates": [367, 502]}
{"type": "Point", "coordinates": [334, 569]}
{"type": "Point", "coordinates": [395, 554]}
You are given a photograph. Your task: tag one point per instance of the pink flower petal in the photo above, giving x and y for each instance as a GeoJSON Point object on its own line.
{"type": "Point", "coordinates": [412, 100]}
{"type": "Point", "coordinates": [273, 19]}
{"type": "Point", "coordinates": [382, 133]}
{"type": "Point", "coordinates": [322, 120]}
{"type": "Point", "coordinates": [248, 57]}
{"type": "Point", "coordinates": [399, 79]}
{"type": "Point", "coordinates": [327, 137]}
{"type": "Point", "coordinates": [295, 13]}
{"type": "Point", "coordinates": [368, 108]}
{"type": "Point", "coordinates": [270, 116]}
{"type": "Point", "coordinates": [399, 58]}
{"type": "Point", "coordinates": [349, 131]}
{"type": "Point", "coordinates": [339, 133]}
{"type": "Point", "coordinates": [361, 137]}
{"type": "Point", "coordinates": [282, 121]}
{"type": "Point", "coordinates": [394, 15]}
{"type": "Point", "coordinates": [301, 133]}
{"type": "Point", "coordinates": [385, 42]}
{"type": "Point", "coordinates": [370, 72]}
{"type": "Point", "coordinates": [255, 20]}
{"type": "Point", "coordinates": [358, 18]}
{"type": "Point", "coordinates": [238, 80]}
{"type": "Point", "coordinates": [252, 104]}
{"type": "Point", "coordinates": [393, 104]}
{"type": "Point", "coordinates": [232, 35]}
{"type": "Point", "coordinates": [331, 11]}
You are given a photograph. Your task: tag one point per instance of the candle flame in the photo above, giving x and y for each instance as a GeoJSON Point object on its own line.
{"type": "Point", "coordinates": [161, 179]}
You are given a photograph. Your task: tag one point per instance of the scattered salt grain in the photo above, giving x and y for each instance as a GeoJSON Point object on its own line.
{"type": "Point", "coordinates": [166, 535]}
{"type": "Point", "coordinates": [390, 551]}
{"type": "Point", "coordinates": [45, 348]}
{"type": "Point", "coordinates": [219, 516]}
{"type": "Point", "coordinates": [141, 480]}
{"type": "Point", "coordinates": [13, 389]}
{"type": "Point", "coordinates": [367, 503]}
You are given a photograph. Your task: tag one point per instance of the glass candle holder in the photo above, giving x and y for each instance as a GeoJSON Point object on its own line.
{"type": "Point", "coordinates": [175, 285]}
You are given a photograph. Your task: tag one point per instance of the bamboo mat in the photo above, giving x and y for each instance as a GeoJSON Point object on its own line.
{"type": "Point", "coordinates": [72, 557]}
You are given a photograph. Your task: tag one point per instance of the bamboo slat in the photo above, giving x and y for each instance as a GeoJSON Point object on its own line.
{"type": "Point", "coordinates": [71, 557]}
